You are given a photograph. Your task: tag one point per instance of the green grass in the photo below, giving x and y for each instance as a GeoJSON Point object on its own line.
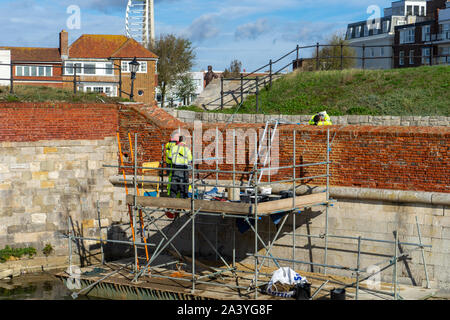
{"type": "Point", "coordinates": [48, 94]}
{"type": "Point", "coordinates": [422, 91]}
{"type": "Point", "coordinates": [8, 252]}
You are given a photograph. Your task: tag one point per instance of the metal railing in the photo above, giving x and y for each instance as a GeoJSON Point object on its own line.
{"type": "Point", "coordinates": [337, 59]}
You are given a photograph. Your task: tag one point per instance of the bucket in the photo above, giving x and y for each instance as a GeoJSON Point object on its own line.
{"type": "Point", "coordinates": [302, 291]}
{"type": "Point", "coordinates": [338, 294]}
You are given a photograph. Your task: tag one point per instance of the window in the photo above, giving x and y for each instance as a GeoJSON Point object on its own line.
{"type": "Point", "coordinates": [110, 91]}
{"type": "Point", "coordinates": [349, 32]}
{"type": "Point", "coordinates": [402, 58]}
{"type": "Point", "coordinates": [382, 51]}
{"type": "Point", "coordinates": [409, 10]}
{"type": "Point", "coordinates": [407, 35]}
{"type": "Point", "coordinates": [422, 11]}
{"type": "Point", "coordinates": [411, 56]}
{"type": "Point", "coordinates": [89, 68]}
{"type": "Point", "coordinates": [372, 52]}
{"type": "Point", "coordinates": [34, 71]}
{"type": "Point", "coordinates": [68, 68]}
{"type": "Point", "coordinates": [109, 69]}
{"type": "Point", "coordinates": [446, 31]}
{"type": "Point", "coordinates": [426, 55]}
{"type": "Point", "coordinates": [426, 33]}
{"type": "Point", "coordinates": [366, 30]}
{"type": "Point", "coordinates": [142, 66]}
{"type": "Point", "coordinates": [416, 10]}
{"type": "Point", "coordinates": [358, 32]}
{"type": "Point", "coordinates": [125, 66]}
{"type": "Point", "coordinates": [385, 26]}
{"type": "Point", "coordinates": [445, 55]}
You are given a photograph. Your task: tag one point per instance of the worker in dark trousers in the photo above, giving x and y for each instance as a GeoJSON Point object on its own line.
{"type": "Point", "coordinates": [181, 157]}
{"type": "Point", "coordinates": [168, 157]}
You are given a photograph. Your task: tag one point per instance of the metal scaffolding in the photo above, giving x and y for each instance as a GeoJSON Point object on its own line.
{"type": "Point", "coordinates": [139, 208]}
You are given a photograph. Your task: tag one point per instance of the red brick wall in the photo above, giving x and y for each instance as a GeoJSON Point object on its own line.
{"type": "Point", "coordinates": [402, 158]}
{"type": "Point", "coordinates": [399, 158]}
{"type": "Point", "coordinates": [50, 121]}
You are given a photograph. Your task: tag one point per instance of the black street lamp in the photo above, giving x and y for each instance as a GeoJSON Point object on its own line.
{"type": "Point", "coordinates": [134, 67]}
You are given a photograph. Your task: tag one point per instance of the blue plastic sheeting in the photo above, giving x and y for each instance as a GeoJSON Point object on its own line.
{"type": "Point", "coordinates": [243, 226]}
{"type": "Point", "coordinates": [276, 218]}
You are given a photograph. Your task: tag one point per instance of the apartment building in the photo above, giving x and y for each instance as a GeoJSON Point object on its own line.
{"type": "Point", "coordinates": [373, 39]}
{"type": "Point", "coordinates": [423, 43]}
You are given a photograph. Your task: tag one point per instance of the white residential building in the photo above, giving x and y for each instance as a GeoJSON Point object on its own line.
{"type": "Point", "coordinates": [377, 35]}
{"type": "Point", "coordinates": [172, 100]}
{"type": "Point", "coordinates": [5, 70]}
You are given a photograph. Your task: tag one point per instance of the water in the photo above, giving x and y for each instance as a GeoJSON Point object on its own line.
{"type": "Point", "coordinates": [36, 286]}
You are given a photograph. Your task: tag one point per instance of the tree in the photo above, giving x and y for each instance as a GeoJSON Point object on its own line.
{"type": "Point", "coordinates": [185, 88]}
{"type": "Point", "coordinates": [330, 55]}
{"type": "Point", "coordinates": [176, 57]}
{"type": "Point", "coordinates": [234, 71]}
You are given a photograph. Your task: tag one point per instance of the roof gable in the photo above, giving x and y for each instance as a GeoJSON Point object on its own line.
{"type": "Point", "coordinates": [131, 49]}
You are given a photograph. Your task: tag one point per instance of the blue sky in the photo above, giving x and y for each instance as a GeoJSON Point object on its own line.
{"type": "Point", "coordinates": [252, 31]}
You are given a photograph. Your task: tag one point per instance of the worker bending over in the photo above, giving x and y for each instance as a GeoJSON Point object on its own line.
{"type": "Point", "coordinates": [168, 156]}
{"type": "Point", "coordinates": [321, 119]}
{"type": "Point", "coordinates": [181, 157]}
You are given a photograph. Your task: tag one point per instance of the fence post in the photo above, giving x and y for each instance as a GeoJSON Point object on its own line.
{"type": "Point", "coordinates": [431, 53]}
{"type": "Point", "coordinates": [342, 56]}
{"type": "Point", "coordinates": [317, 56]}
{"type": "Point", "coordinates": [270, 75]}
{"type": "Point", "coordinates": [11, 89]}
{"type": "Point", "coordinates": [120, 81]}
{"type": "Point", "coordinates": [393, 56]}
{"type": "Point", "coordinates": [298, 53]}
{"type": "Point", "coordinates": [221, 93]}
{"type": "Point", "coordinates": [75, 79]}
{"type": "Point", "coordinates": [363, 56]}
{"type": "Point", "coordinates": [242, 88]}
{"type": "Point", "coordinates": [257, 94]}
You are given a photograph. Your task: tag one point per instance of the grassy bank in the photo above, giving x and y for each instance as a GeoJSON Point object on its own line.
{"type": "Point", "coordinates": [419, 91]}
{"type": "Point", "coordinates": [48, 94]}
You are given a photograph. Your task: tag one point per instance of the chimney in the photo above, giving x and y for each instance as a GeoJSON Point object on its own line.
{"type": "Point", "coordinates": [64, 44]}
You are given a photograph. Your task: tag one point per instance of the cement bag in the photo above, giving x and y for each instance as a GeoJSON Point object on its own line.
{"type": "Point", "coordinates": [283, 282]}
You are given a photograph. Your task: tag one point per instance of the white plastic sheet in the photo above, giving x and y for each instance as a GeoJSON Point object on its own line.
{"type": "Point", "coordinates": [286, 276]}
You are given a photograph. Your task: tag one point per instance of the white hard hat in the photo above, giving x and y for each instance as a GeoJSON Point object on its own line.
{"type": "Point", "coordinates": [323, 113]}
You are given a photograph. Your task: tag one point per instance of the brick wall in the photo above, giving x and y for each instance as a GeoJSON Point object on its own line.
{"type": "Point", "coordinates": [399, 158]}
{"type": "Point", "coordinates": [56, 121]}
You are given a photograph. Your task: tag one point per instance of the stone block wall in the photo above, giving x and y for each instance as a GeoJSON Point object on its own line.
{"type": "Point", "coordinates": [366, 120]}
{"type": "Point", "coordinates": [51, 167]}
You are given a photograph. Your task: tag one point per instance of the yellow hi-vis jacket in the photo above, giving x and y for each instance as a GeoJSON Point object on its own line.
{"type": "Point", "coordinates": [180, 155]}
{"type": "Point", "coordinates": [327, 121]}
{"type": "Point", "coordinates": [167, 150]}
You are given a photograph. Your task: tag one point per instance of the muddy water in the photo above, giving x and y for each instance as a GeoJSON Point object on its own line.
{"type": "Point", "coordinates": [38, 286]}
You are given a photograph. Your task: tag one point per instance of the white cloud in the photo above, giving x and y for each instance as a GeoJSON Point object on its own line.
{"type": "Point", "coordinates": [252, 30]}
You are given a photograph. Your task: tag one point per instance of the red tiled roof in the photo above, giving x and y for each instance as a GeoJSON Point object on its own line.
{"type": "Point", "coordinates": [131, 49]}
{"type": "Point", "coordinates": [34, 54]}
{"type": "Point", "coordinates": [105, 46]}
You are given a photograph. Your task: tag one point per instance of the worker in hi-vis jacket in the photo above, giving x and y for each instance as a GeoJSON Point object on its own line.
{"type": "Point", "coordinates": [181, 158]}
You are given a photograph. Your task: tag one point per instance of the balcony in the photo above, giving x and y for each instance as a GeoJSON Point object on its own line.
{"type": "Point", "coordinates": [443, 36]}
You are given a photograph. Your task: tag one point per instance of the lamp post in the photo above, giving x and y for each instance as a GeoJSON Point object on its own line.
{"type": "Point", "coordinates": [134, 67]}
